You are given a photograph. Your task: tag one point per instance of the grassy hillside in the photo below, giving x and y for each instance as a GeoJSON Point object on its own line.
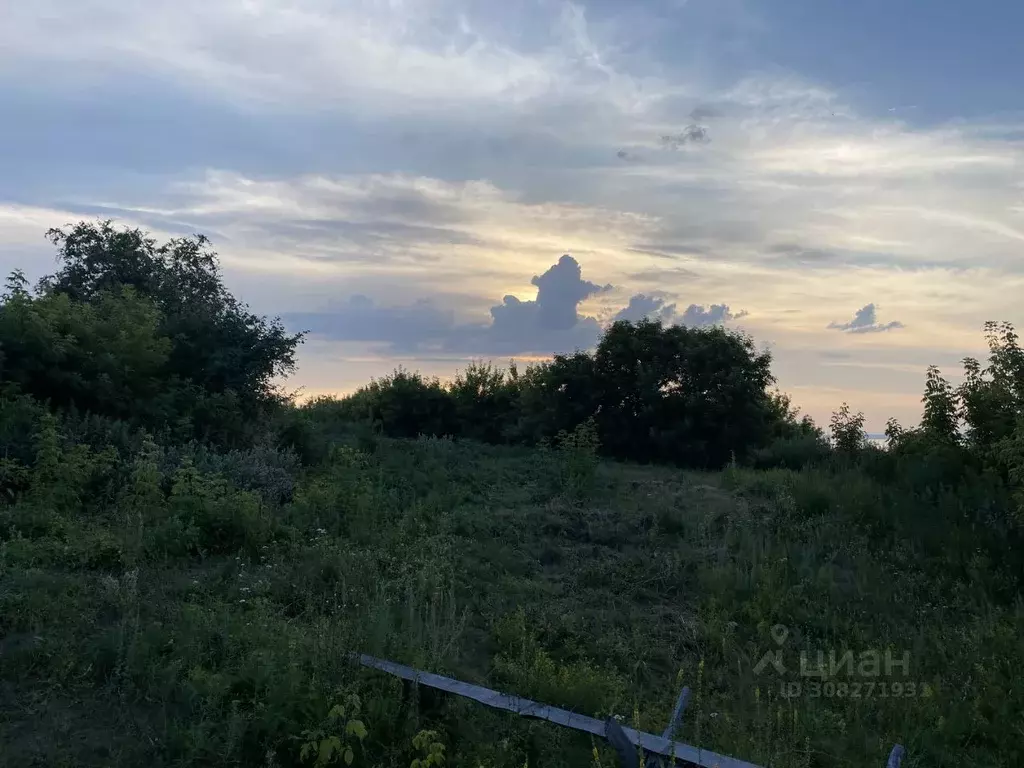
{"type": "Point", "coordinates": [188, 558]}
{"type": "Point", "coordinates": [207, 625]}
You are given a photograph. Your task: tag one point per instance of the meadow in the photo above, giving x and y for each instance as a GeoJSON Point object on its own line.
{"type": "Point", "coordinates": [211, 626]}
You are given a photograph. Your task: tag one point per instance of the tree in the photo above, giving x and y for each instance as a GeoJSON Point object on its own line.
{"type": "Point", "coordinates": [692, 396]}
{"type": "Point", "coordinates": [992, 399]}
{"type": "Point", "coordinates": [217, 344]}
{"type": "Point", "coordinates": [486, 401]}
{"type": "Point", "coordinates": [557, 396]}
{"type": "Point", "coordinates": [847, 430]}
{"type": "Point", "coordinates": [407, 405]}
{"type": "Point", "coordinates": [129, 329]}
{"type": "Point", "coordinates": [941, 419]}
{"type": "Point", "coordinates": [105, 357]}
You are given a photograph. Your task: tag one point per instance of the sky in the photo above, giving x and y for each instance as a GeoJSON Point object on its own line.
{"type": "Point", "coordinates": [425, 183]}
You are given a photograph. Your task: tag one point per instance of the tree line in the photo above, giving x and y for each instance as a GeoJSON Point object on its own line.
{"type": "Point", "coordinates": [693, 397]}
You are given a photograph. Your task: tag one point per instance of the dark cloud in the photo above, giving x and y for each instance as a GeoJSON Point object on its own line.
{"type": "Point", "coordinates": [628, 156]}
{"type": "Point", "coordinates": [694, 316]}
{"type": "Point", "coordinates": [559, 292]}
{"type": "Point", "coordinates": [368, 237]}
{"type": "Point", "coordinates": [865, 320]}
{"type": "Point", "coordinates": [641, 305]}
{"type": "Point", "coordinates": [172, 226]}
{"type": "Point", "coordinates": [794, 254]}
{"type": "Point", "coordinates": [691, 134]}
{"type": "Point", "coordinates": [549, 324]}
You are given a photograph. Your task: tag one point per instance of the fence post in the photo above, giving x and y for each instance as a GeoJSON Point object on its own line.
{"type": "Point", "coordinates": [675, 724]}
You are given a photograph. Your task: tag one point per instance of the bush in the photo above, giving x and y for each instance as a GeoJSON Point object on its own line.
{"type": "Point", "coordinates": [143, 333]}
{"type": "Point", "coordinates": [792, 452]}
{"type": "Point", "coordinates": [577, 451]}
{"type": "Point", "coordinates": [692, 397]}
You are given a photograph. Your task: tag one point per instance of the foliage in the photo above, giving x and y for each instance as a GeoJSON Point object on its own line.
{"type": "Point", "coordinates": [431, 750]}
{"type": "Point", "coordinates": [694, 397]}
{"type": "Point", "coordinates": [577, 452]}
{"type": "Point", "coordinates": [130, 330]}
{"type": "Point", "coordinates": [337, 738]}
{"type": "Point", "coordinates": [847, 430]}
{"type": "Point", "coordinates": [689, 396]}
{"type": "Point", "coordinates": [222, 623]}
{"type": "Point", "coordinates": [486, 402]}
{"type": "Point", "coordinates": [407, 405]}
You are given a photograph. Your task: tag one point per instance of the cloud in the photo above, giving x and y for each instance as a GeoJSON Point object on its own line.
{"type": "Point", "coordinates": [549, 324]}
{"type": "Point", "coordinates": [691, 134]}
{"type": "Point", "coordinates": [865, 321]}
{"type": "Point", "coordinates": [360, 56]}
{"type": "Point", "coordinates": [694, 316]}
{"type": "Point", "coordinates": [643, 306]}
{"type": "Point", "coordinates": [697, 316]}
{"type": "Point", "coordinates": [405, 329]}
{"type": "Point", "coordinates": [559, 293]}
{"type": "Point", "coordinates": [628, 156]}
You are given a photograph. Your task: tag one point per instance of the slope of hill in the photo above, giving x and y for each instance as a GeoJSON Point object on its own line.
{"type": "Point", "coordinates": [595, 586]}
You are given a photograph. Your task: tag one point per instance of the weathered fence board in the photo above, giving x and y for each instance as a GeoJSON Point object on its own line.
{"type": "Point", "coordinates": [624, 740]}
{"type": "Point", "coordinates": [660, 745]}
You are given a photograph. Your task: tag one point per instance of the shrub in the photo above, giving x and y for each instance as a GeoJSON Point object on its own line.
{"type": "Point", "coordinates": [577, 451]}
{"type": "Point", "coordinates": [792, 452]}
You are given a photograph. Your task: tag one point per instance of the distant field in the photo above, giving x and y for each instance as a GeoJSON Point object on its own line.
{"type": "Point", "coordinates": [601, 588]}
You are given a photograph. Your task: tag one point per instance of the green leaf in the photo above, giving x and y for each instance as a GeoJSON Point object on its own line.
{"type": "Point", "coordinates": [328, 747]}
{"type": "Point", "coordinates": [356, 728]}
{"type": "Point", "coordinates": [349, 756]}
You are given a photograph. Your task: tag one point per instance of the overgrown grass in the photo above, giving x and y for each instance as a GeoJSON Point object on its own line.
{"type": "Point", "coordinates": [172, 617]}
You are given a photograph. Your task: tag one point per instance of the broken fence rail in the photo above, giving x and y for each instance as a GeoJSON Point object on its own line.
{"type": "Point", "coordinates": [663, 745]}
{"type": "Point", "coordinates": [518, 705]}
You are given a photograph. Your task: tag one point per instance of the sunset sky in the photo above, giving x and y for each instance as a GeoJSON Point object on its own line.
{"type": "Point", "coordinates": [842, 180]}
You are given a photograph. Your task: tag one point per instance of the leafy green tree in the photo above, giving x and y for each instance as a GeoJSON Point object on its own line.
{"type": "Point", "coordinates": [557, 396]}
{"type": "Point", "coordinates": [127, 329]}
{"type": "Point", "coordinates": [941, 420]}
{"type": "Point", "coordinates": [992, 398]}
{"type": "Point", "coordinates": [847, 430]}
{"type": "Point", "coordinates": [692, 396]}
{"type": "Point", "coordinates": [407, 405]}
{"type": "Point", "coordinates": [486, 401]}
{"type": "Point", "coordinates": [217, 344]}
{"type": "Point", "coordinates": [104, 356]}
